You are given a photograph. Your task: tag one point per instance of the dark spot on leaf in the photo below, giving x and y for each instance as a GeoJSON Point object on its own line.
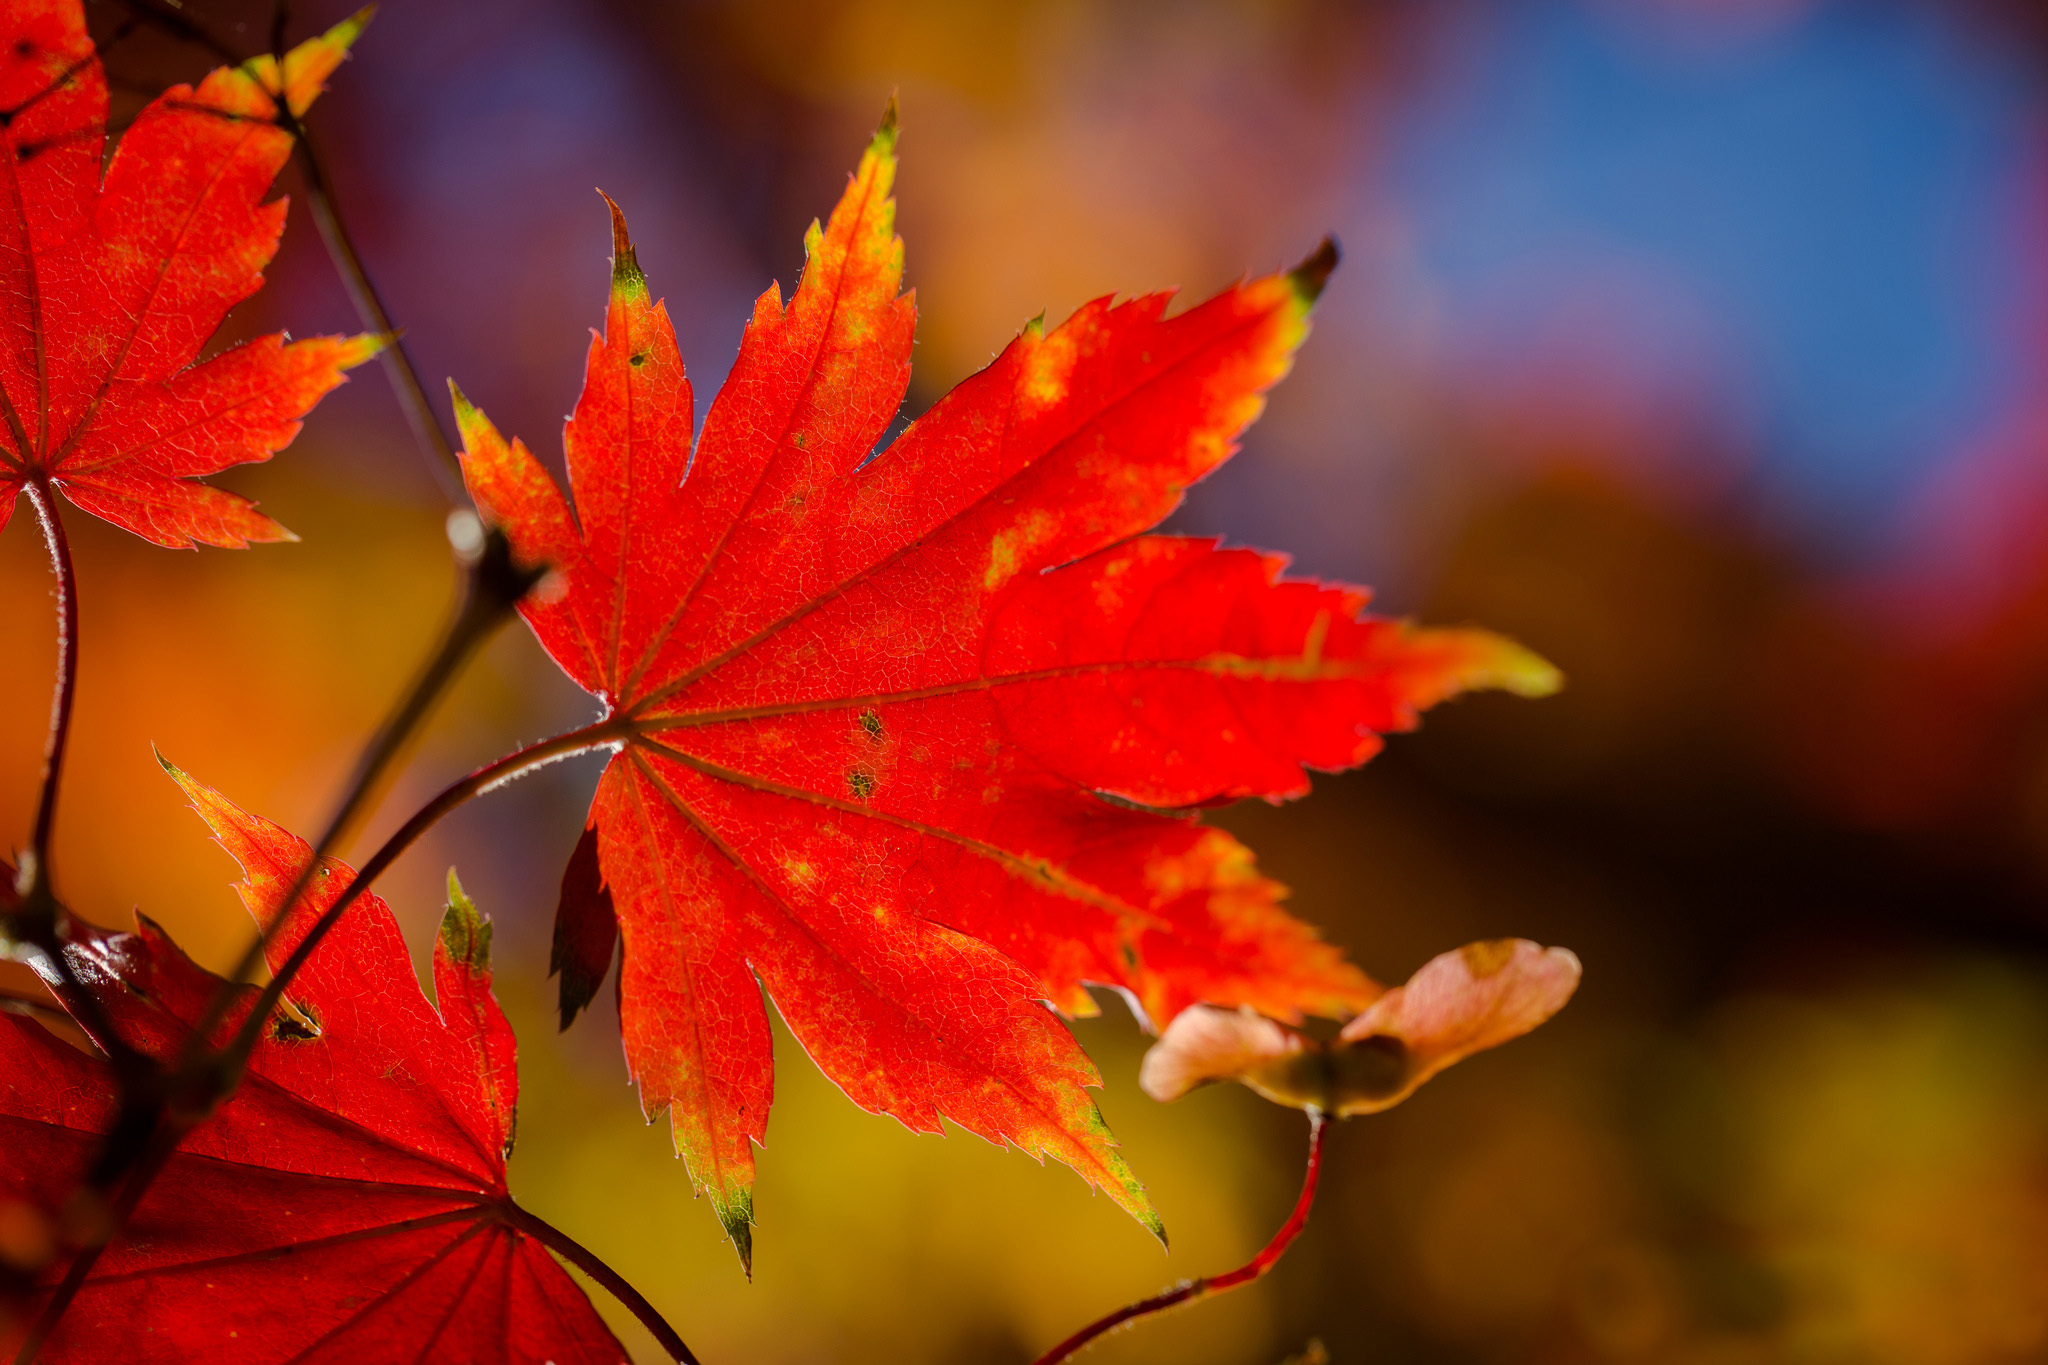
{"type": "Point", "coordinates": [638, 358]}
{"type": "Point", "coordinates": [862, 784]}
{"type": "Point", "coordinates": [289, 1028]}
{"type": "Point", "coordinates": [871, 723]}
{"type": "Point", "coordinates": [24, 49]}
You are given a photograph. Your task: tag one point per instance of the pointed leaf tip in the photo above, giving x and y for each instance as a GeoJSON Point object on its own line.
{"type": "Point", "coordinates": [736, 1213]}
{"type": "Point", "coordinates": [1155, 1225]}
{"type": "Point", "coordinates": [884, 140]}
{"type": "Point", "coordinates": [626, 272]}
{"type": "Point", "coordinates": [467, 414]}
{"type": "Point", "coordinates": [307, 66]}
{"type": "Point", "coordinates": [356, 350]}
{"type": "Point", "coordinates": [465, 932]}
{"type": "Point", "coordinates": [354, 25]}
{"type": "Point", "coordinates": [1528, 674]}
{"type": "Point", "coordinates": [1311, 275]}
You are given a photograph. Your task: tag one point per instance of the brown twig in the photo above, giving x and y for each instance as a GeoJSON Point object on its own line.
{"type": "Point", "coordinates": [399, 365]}
{"type": "Point", "coordinates": [1190, 1291]}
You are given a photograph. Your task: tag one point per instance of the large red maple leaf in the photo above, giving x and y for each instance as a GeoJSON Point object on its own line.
{"type": "Point", "coordinates": [349, 1202]}
{"type": "Point", "coordinates": [109, 287]}
{"type": "Point", "coordinates": [866, 737]}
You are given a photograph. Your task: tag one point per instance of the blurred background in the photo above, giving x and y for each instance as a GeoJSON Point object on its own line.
{"type": "Point", "coordinates": [1697, 343]}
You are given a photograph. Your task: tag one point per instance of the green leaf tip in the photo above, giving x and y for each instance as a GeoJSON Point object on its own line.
{"type": "Point", "coordinates": [344, 34]}
{"type": "Point", "coordinates": [1311, 275]}
{"type": "Point", "coordinates": [191, 786]}
{"type": "Point", "coordinates": [1140, 1202]}
{"type": "Point", "coordinates": [1525, 673]}
{"type": "Point", "coordinates": [465, 933]}
{"type": "Point", "coordinates": [884, 141]}
{"type": "Point", "coordinates": [466, 412]}
{"type": "Point", "coordinates": [736, 1213]}
{"type": "Point", "coordinates": [626, 273]}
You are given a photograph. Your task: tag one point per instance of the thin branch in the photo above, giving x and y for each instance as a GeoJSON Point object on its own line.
{"type": "Point", "coordinates": [1191, 1291]}
{"type": "Point", "coordinates": [280, 19]}
{"type": "Point", "coordinates": [173, 21]}
{"type": "Point", "coordinates": [399, 365]}
{"type": "Point", "coordinates": [587, 1261]}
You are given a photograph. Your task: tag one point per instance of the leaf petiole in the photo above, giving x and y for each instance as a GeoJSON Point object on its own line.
{"type": "Point", "coordinates": [41, 498]}
{"type": "Point", "coordinates": [484, 779]}
{"type": "Point", "coordinates": [494, 588]}
{"type": "Point", "coordinates": [1191, 1291]}
{"type": "Point", "coordinates": [587, 1261]}
{"type": "Point", "coordinates": [36, 918]}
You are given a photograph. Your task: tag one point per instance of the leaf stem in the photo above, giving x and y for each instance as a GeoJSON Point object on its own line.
{"type": "Point", "coordinates": [45, 503]}
{"type": "Point", "coordinates": [1190, 1291]}
{"type": "Point", "coordinates": [482, 780]}
{"type": "Point", "coordinates": [588, 1261]}
{"type": "Point", "coordinates": [37, 917]}
{"type": "Point", "coordinates": [494, 587]}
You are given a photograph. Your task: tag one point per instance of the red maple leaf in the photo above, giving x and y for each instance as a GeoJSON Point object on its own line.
{"type": "Point", "coordinates": [349, 1202]}
{"type": "Point", "coordinates": [865, 737]}
{"type": "Point", "coordinates": [109, 288]}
